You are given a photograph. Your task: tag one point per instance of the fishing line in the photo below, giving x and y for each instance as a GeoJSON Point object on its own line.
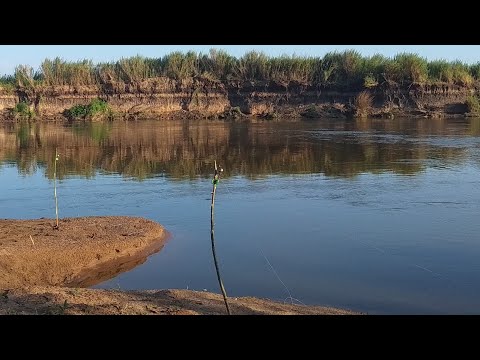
{"type": "Point", "coordinates": [408, 264]}
{"type": "Point", "coordinates": [279, 279]}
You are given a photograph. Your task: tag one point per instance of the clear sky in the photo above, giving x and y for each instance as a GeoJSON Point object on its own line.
{"type": "Point", "coordinates": [33, 55]}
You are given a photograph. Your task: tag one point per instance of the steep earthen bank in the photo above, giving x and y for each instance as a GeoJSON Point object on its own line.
{"type": "Point", "coordinates": [201, 98]}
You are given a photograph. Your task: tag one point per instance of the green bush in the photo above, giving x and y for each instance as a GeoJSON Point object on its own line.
{"type": "Point", "coordinates": [410, 68]}
{"type": "Point", "coordinates": [96, 108]}
{"type": "Point", "coordinates": [461, 74]}
{"type": "Point", "coordinates": [440, 70]}
{"type": "Point", "coordinates": [23, 111]}
{"type": "Point", "coordinates": [375, 65]}
{"type": "Point", "coordinates": [180, 66]}
{"type": "Point", "coordinates": [252, 66]}
{"type": "Point", "coordinates": [78, 111]}
{"type": "Point", "coordinates": [352, 65]}
{"type": "Point", "coordinates": [218, 63]}
{"type": "Point", "coordinates": [138, 68]}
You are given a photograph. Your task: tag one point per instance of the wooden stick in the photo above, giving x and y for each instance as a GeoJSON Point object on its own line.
{"type": "Point", "coordinates": [212, 237]}
{"type": "Point", "coordinates": [55, 186]}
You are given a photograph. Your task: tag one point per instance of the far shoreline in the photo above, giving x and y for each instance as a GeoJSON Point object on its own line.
{"type": "Point", "coordinates": [198, 99]}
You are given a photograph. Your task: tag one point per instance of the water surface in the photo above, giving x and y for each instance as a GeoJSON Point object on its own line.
{"type": "Point", "coordinates": [377, 216]}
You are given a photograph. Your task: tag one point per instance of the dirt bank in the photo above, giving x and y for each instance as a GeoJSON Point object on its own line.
{"type": "Point", "coordinates": [163, 98]}
{"type": "Point", "coordinates": [57, 300]}
{"type": "Point", "coordinates": [82, 252]}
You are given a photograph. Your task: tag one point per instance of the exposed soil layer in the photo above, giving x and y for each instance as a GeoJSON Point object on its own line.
{"type": "Point", "coordinates": [164, 98]}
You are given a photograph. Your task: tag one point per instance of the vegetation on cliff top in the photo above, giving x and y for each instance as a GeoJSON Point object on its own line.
{"type": "Point", "coordinates": [336, 70]}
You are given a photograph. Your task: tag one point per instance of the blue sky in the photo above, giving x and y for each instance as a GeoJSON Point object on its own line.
{"type": "Point", "coordinates": [12, 55]}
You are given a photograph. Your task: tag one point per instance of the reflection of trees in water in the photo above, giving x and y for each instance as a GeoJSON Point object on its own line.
{"type": "Point", "coordinates": [474, 127]}
{"type": "Point", "coordinates": [181, 149]}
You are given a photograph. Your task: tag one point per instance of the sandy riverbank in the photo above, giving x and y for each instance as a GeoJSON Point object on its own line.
{"type": "Point", "coordinates": [79, 301]}
{"type": "Point", "coordinates": [46, 271]}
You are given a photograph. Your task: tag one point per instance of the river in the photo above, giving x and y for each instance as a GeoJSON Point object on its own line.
{"type": "Point", "coordinates": [378, 216]}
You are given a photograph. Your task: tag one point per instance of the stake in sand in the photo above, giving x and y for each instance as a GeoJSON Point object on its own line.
{"type": "Point", "coordinates": [55, 187]}
{"type": "Point", "coordinates": [216, 178]}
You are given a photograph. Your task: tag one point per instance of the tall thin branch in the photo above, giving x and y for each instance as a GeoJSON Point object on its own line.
{"type": "Point", "coordinates": [212, 237]}
{"type": "Point", "coordinates": [55, 187]}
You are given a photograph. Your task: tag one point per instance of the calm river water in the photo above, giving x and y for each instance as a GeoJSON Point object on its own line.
{"type": "Point", "coordinates": [379, 216]}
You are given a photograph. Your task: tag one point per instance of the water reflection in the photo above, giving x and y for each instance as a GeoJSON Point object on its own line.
{"type": "Point", "coordinates": [108, 270]}
{"type": "Point", "coordinates": [180, 149]}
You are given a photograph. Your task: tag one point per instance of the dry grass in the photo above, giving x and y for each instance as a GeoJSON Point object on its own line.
{"type": "Point", "coordinates": [363, 104]}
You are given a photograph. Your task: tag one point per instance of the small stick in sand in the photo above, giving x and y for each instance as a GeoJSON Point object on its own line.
{"type": "Point", "coordinates": [32, 240]}
{"type": "Point", "coordinates": [57, 156]}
